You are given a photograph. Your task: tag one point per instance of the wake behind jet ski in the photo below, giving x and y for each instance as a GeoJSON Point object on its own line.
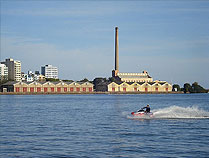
{"type": "Point", "coordinates": [143, 112]}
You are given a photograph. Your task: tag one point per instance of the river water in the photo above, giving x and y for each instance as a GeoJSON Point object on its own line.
{"type": "Point", "coordinates": [102, 126]}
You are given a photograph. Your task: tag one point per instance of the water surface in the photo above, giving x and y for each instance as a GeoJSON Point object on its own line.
{"type": "Point", "coordinates": [101, 126]}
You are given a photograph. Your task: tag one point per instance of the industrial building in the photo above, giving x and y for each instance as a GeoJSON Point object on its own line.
{"type": "Point", "coordinates": [134, 82]}
{"type": "Point", "coordinates": [157, 86]}
{"type": "Point", "coordinates": [47, 87]}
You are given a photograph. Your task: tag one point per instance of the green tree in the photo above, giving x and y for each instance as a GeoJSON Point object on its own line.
{"type": "Point", "coordinates": [100, 84]}
{"type": "Point", "coordinates": [67, 80]}
{"type": "Point", "coordinates": [52, 79]}
{"type": "Point", "coordinates": [84, 80]}
{"type": "Point", "coordinates": [187, 88]}
{"type": "Point", "coordinates": [197, 88]}
{"type": "Point", "coordinates": [4, 80]}
{"type": "Point", "coordinates": [112, 79]}
{"type": "Point", "coordinates": [99, 80]}
{"type": "Point", "coordinates": [176, 87]}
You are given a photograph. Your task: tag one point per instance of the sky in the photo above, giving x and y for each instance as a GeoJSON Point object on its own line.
{"type": "Point", "coordinates": [169, 39]}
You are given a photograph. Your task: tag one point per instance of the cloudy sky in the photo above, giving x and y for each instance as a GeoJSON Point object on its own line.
{"type": "Point", "coordinates": [169, 39]}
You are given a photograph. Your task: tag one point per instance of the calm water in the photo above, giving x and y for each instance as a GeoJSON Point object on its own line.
{"type": "Point", "coordinates": [101, 126]}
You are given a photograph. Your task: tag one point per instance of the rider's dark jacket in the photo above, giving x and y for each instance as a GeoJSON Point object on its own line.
{"type": "Point", "coordinates": [147, 109]}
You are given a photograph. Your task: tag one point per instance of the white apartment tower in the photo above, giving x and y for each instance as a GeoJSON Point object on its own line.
{"type": "Point", "coordinates": [14, 69]}
{"type": "Point", "coordinates": [3, 72]}
{"type": "Point", "coordinates": [49, 71]}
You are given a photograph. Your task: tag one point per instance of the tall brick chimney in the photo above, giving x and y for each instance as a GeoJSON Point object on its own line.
{"type": "Point", "coordinates": [114, 72]}
{"type": "Point", "coordinates": [116, 50]}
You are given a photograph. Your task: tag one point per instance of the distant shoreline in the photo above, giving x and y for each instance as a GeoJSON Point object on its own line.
{"type": "Point", "coordinates": [13, 93]}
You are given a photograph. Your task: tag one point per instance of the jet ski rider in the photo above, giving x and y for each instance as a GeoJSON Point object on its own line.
{"type": "Point", "coordinates": [147, 109]}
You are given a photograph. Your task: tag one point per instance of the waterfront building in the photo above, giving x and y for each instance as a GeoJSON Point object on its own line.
{"type": "Point", "coordinates": [40, 78]}
{"type": "Point", "coordinates": [134, 82]}
{"type": "Point", "coordinates": [135, 77]}
{"type": "Point", "coordinates": [37, 73]}
{"type": "Point", "coordinates": [47, 87]}
{"type": "Point", "coordinates": [29, 78]}
{"type": "Point", "coordinates": [14, 69]}
{"type": "Point", "coordinates": [3, 72]}
{"type": "Point", "coordinates": [23, 76]}
{"type": "Point", "coordinates": [127, 77]}
{"type": "Point", "coordinates": [49, 71]}
{"type": "Point", "coordinates": [156, 87]}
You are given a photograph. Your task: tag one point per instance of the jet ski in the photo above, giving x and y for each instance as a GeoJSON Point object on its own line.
{"type": "Point", "coordinates": [142, 113]}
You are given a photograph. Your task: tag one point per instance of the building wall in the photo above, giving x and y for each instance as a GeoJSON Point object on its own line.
{"type": "Point", "coordinates": [87, 87]}
{"type": "Point", "coordinates": [142, 87]}
{"type": "Point", "coordinates": [49, 71]}
{"type": "Point", "coordinates": [135, 77]}
{"type": "Point", "coordinates": [20, 87]}
{"type": "Point", "coordinates": [49, 87]}
{"type": "Point", "coordinates": [17, 67]}
{"type": "Point", "coordinates": [75, 87]}
{"type": "Point", "coordinates": [14, 69]}
{"type": "Point", "coordinates": [62, 87]}
{"type": "Point", "coordinates": [3, 72]}
{"type": "Point", "coordinates": [126, 79]}
{"type": "Point", "coordinates": [35, 87]}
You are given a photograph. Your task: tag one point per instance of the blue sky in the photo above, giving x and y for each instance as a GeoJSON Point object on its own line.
{"type": "Point", "coordinates": [169, 39]}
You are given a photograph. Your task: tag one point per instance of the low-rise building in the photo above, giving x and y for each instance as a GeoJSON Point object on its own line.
{"type": "Point", "coordinates": [40, 78]}
{"type": "Point", "coordinates": [156, 86]}
{"type": "Point", "coordinates": [134, 82]}
{"type": "Point", "coordinates": [135, 77]}
{"type": "Point", "coordinates": [47, 87]}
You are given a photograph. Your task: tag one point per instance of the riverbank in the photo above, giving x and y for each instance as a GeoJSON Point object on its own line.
{"type": "Point", "coordinates": [74, 93]}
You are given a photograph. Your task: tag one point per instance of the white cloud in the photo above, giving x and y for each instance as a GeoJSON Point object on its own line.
{"type": "Point", "coordinates": [166, 47]}
{"type": "Point", "coordinates": [68, 9]}
{"type": "Point", "coordinates": [73, 64]}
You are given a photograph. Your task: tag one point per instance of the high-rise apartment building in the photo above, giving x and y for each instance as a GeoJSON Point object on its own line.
{"type": "Point", "coordinates": [3, 72]}
{"type": "Point", "coordinates": [14, 69]}
{"type": "Point", "coordinates": [49, 71]}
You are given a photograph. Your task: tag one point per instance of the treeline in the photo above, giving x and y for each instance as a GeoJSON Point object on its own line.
{"type": "Point", "coordinates": [3, 81]}
{"type": "Point", "coordinates": [194, 88]}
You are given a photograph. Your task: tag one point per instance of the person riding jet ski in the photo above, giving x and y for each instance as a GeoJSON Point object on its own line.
{"type": "Point", "coordinates": [147, 109]}
{"type": "Point", "coordinates": [142, 112]}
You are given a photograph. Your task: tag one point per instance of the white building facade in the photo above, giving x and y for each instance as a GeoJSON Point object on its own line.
{"type": "Point", "coordinates": [3, 72]}
{"type": "Point", "coordinates": [49, 71]}
{"type": "Point", "coordinates": [14, 69]}
{"type": "Point", "coordinates": [135, 77]}
{"type": "Point", "coordinates": [156, 87]}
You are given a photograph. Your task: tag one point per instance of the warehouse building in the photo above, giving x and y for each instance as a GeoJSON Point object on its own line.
{"type": "Point", "coordinates": [134, 82]}
{"type": "Point", "coordinates": [47, 87]}
{"type": "Point", "coordinates": [157, 86]}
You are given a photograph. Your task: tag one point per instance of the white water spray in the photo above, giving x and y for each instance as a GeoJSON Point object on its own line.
{"type": "Point", "coordinates": [176, 112]}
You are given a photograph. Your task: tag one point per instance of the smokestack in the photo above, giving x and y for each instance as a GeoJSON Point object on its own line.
{"type": "Point", "coordinates": [115, 72]}
{"type": "Point", "coordinates": [116, 50]}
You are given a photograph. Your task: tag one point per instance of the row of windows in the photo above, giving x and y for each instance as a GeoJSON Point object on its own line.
{"type": "Point", "coordinates": [53, 89]}
{"type": "Point", "coordinates": [135, 89]}
{"type": "Point", "coordinates": [51, 72]}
